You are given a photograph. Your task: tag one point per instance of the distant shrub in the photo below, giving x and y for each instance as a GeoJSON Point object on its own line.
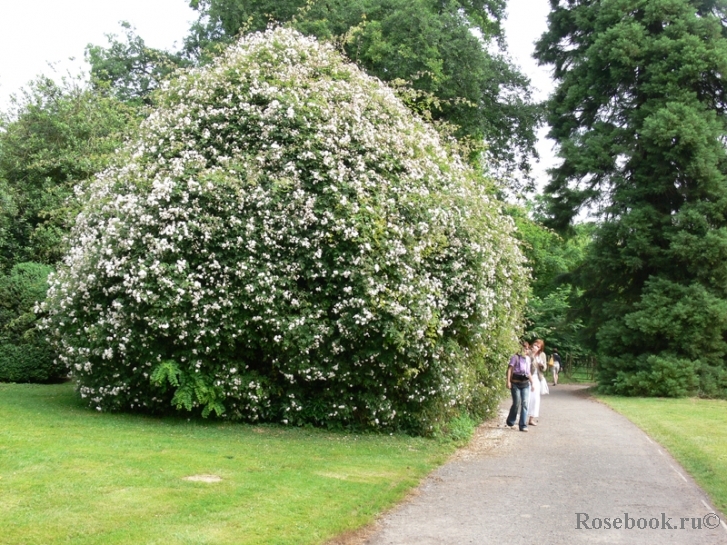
{"type": "Point", "coordinates": [286, 242]}
{"type": "Point", "coordinates": [25, 355]}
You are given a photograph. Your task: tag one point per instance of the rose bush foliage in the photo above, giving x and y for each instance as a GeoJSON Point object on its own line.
{"type": "Point", "coordinates": [285, 242]}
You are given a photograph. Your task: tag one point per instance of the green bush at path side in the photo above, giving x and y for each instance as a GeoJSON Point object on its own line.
{"type": "Point", "coordinates": [694, 431]}
{"type": "Point", "coordinates": [70, 475]}
{"type": "Point", "coordinates": [25, 355]}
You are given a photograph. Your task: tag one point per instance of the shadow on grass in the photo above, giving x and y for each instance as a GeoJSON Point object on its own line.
{"type": "Point", "coordinates": [60, 402]}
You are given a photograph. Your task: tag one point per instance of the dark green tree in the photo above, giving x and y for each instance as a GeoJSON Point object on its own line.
{"type": "Point", "coordinates": [130, 68]}
{"type": "Point", "coordinates": [53, 137]}
{"type": "Point", "coordinates": [639, 116]}
{"type": "Point", "coordinates": [450, 52]}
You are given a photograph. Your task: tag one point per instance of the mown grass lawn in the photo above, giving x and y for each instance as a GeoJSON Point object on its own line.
{"type": "Point", "coordinates": [69, 475]}
{"type": "Point", "coordinates": [694, 431]}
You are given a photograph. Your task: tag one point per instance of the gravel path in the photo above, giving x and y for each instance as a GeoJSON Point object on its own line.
{"type": "Point", "coordinates": [512, 488]}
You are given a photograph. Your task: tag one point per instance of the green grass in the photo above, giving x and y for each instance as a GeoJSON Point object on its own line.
{"type": "Point", "coordinates": [70, 475]}
{"type": "Point", "coordinates": [694, 431]}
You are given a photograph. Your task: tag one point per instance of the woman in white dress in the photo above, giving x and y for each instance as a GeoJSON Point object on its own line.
{"type": "Point", "coordinates": [539, 365]}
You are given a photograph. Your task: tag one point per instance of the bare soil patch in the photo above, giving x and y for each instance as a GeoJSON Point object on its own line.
{"type": "Point", "coordinates": [203, 478]}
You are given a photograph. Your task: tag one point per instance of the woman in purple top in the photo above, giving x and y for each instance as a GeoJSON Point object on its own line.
{"type": "Point", "coordinates": [520, 383]}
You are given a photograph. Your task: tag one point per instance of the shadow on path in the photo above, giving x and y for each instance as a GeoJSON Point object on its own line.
{"type": "Point", "coordinates": [515, 488]}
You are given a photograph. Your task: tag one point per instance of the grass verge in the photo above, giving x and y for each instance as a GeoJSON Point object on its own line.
{"type": "Point", "coordinates": [69, 475]}
{"type": "Point", "coordinates": [693, 430]}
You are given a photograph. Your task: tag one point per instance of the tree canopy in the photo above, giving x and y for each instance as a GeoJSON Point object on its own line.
{"type": "Point", "coordinates": [53, 137]}
{"type": "Point", "coordinates": [549, 313]}
{"type": "Point", "coordinates": [130, 68]}
{"type": "Point", "coordinates": [639, 117]}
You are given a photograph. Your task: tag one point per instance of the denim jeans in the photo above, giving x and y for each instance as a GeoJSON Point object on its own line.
{"type": "Point", "coordinates": [520, 394]}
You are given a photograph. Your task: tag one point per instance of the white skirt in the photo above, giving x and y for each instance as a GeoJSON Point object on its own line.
{"type": "Point", "coordinates": [534, 399]}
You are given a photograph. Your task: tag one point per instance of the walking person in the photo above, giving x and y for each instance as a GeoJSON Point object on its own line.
{"type": "Point", "coordinates": [557, 363]}
{"type": "Point", "coordinates": [537, 367]}
{"type": "Point", "coordinates": [520, 383]}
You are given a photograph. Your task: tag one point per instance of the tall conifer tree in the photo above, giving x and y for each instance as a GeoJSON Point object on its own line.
{"type": "Point", "coordinates": [639, 116]}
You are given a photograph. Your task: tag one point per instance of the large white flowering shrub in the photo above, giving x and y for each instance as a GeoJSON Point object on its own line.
{"type": "Point", "coordinates": [286, 242]}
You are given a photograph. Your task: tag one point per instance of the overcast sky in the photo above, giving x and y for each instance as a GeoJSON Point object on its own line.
{"type": "Point", "coordinates": [34, 33]}
{"type": "Point", "coordinates": [526, 22]}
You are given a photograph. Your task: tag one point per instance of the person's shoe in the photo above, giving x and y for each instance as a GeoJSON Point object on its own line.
{"type": "Point", "coordinates": [523, 429]}
{"type": "Point", "coordinates": [511, 426]}
{"type": "Point", "coordinates": [533, 423]}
